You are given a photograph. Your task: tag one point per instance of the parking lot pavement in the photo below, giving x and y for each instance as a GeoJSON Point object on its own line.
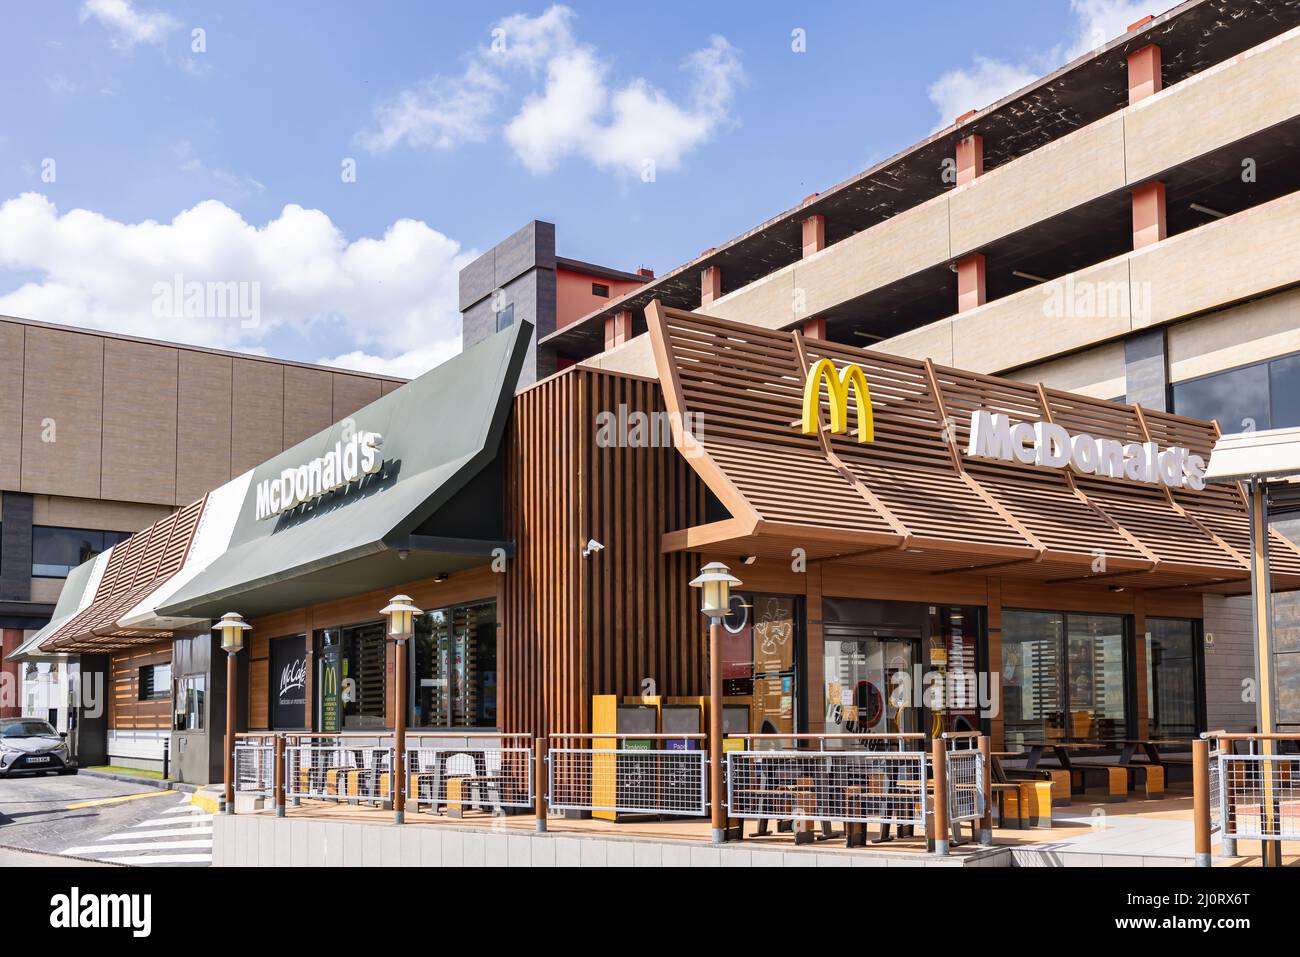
{"type": "Point", "coordinates": [101, 818]}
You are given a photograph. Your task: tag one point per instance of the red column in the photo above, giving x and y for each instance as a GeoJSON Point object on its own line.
{"type": "Point", "coordinates": [10, 686]}
{"type": "Point", "coordinates": [970, 282]}
{"type": "Point", "coordinates": [618, 328]}
{"type": "Point", "coordinates": [1148, 214]}
{"type": "Point", "coordinates": [710, 284]}
{"type": "Point", "coordinates": [970, 158]}
{"type": "Point", "coordinates": [814, 234]}
{"type": "Point", "coordinates": [814, 328]}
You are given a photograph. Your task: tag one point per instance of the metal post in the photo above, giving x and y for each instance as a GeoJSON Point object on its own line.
{"type": "Point", "coordinates": [942, 837]}
{"type": "Point", "coordinates": [539, 782]}
{"type": "Point", "coordinates": [1261, 596]}
{"type": "Point", "coordinates": [986, 789]}
{"type": "Point", "coordinates": [399, 736]}
{"type": "Point", "coordinates": [715, 731]}
{"type": "Point", "coordinates": [278, 775]}
{"type": "Point", "coordinates": [1201, 798]}
{"type": "Point", "coordinates": [232, 692]}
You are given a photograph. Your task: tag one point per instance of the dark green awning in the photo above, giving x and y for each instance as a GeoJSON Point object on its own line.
{"type": "Point", "coordinates": [441, 434]}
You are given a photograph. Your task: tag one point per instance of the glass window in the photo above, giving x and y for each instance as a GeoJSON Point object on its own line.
{"type": "Point", "coordinates": [600, 289]}
{"type": "Point", "coordinates": [155, 682]}
{"type": "Point", "coordinates": [454, 667]}
{"type": "Point", "coordinates": [506, 317]}
{"type": "Point", "coordinates": [1286, 651]}
{"type": "Point", "coordinates": [1238, 399]}
{"type": "Point", "coordinates": [364, 665]}
{"type": "Point", "coordinates": [1033, 676]}
{"type": "Point", "coordinates": [1096, 675]}
{"type": "Point", "coordinates": [191, 701]}
{"type": "Point", "coordinates": [1172, 685]}
{"type": "Point", "coordinates": [57, 551]}
{"type": "Point", "coordinates": [1284, 392]}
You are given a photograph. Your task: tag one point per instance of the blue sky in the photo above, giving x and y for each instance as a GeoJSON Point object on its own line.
{"type": "Point", "coordinates": [129, 158]}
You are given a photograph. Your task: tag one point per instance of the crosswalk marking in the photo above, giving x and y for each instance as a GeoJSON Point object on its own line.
{"type": "Point", "coordinates": [183, 835]}
{"type": "Point", "coordinates": [169, 832]}
{"type": "Point", "coordinates": [147, 846]}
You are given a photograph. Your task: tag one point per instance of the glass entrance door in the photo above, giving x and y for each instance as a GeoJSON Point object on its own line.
{"type": "Point", "coordinates": [869, 684]}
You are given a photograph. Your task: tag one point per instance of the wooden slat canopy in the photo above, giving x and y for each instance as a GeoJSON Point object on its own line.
{"type": "Point", "coordinates": [912, 498]}
{"type": "Point", "coordinates": [135, 568]}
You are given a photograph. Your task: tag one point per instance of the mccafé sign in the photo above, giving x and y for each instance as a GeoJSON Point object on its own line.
{"type": "Point", "coordinates": [349, 461]}
{"type": "Point", "coordinates": [838, 387]}
{"type": "Point", "coordinates": [993, 436]}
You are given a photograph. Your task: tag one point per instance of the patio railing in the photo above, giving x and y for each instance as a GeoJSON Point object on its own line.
{"type": "Point", "coordinates": [1245, 790]}
{"type": "Point", "coordinates": [628, 774]}
{"type": "Point", "coordinates": [469, 771]}
{"type": "Point", "coordinates": [890, 780]}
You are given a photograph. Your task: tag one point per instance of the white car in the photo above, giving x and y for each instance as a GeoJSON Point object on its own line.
{"type": "Point", "coordinates": [32, 745]}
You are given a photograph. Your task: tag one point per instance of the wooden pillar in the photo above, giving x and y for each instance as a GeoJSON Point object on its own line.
{"type": "Point", "coordinates": [994, 624]}
{"type": "Point", "coordinates": [814, 234]}
{"type": "Point", "coordinates": [971, 292]}
{"type": "Point", "coordinates": [1201, 799]}
{"type": "Point", "coordinates": [942, 829]}
{"type": "Point", "coordinates": [710, 285]}
{"type": "Point", "coordinates": [816, 651]}
{"type": "Point", "coordinates": [618, 328]}
{"type": "Point", "coordinates": [970, 158]}
{"type": "Point", "coordinates": [232, 695]}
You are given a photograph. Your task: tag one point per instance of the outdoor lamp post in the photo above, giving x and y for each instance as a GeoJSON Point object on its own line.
{"type": "Point", "coordinates": [401, 625]}
{"type": "Point", "coordinates": [232, 627]}
{"type": "Point", "coordinates": [715, 581]}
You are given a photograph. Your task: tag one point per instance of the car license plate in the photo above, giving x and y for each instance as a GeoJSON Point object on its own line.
{"type": "Point", "coordinates": [39, 759]}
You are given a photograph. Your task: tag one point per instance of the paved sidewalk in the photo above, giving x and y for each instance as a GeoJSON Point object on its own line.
{"type": "Point", "coordinates": [13, 857]}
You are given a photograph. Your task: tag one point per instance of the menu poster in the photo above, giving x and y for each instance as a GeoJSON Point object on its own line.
{"type": "Point", "coordinates": [737, 641]}
{"type": "Point", "coordinates": [773, 634]}
{"type": "Point", "coordinates": [331, 680]}
{"type": "Point", "coordinates": [289, 682]}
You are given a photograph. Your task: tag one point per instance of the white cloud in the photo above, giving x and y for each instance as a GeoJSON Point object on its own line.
{"type": "Point", "coordinates": [389, 300]}
{"type": "Point", "coordinates": [987, 80]}
{"type": "Point", "coordinates": [128, 25]}
{"type": "Point", "coordinates": [575, 113]}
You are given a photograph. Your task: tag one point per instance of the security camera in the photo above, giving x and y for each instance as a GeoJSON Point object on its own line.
{"type": "Point", "coordinates": [591, 548]}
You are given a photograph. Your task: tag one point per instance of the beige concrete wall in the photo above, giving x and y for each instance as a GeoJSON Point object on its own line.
{"type": "Point", "coordinates": [1242, 335]}
{"type": "Point", "coordinates": [1250, 254]}
{"type": "Point", "coordinates": [93, 416]}
{"type": "Point", "coordinates": [635, 357]}
{"type": "Point", "coordinates": [1061, 175]}
{"type": "Point", "coordinates": [1238, 98]}
{"type": "Point", "coordinates": [932, 342]}
{"type": "Point", "coordinates": [1098, 372]}
{"type": "Point", "coordinates": [1218, 106]}
{"type": "Point", "coordinates": [94, 513]}
{"type": "Point", "coordinates": [63, 392]}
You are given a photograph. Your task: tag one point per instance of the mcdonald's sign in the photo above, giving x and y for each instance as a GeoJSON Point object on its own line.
{"type": "Point", "coordinates": [838, 386]}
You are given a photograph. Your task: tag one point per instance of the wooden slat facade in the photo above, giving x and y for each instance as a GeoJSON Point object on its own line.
{"type": "Point", "coordinates": [126, 712]}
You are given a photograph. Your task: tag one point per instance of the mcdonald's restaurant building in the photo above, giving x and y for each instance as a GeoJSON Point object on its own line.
{"type": "Point", "coordinates": [920, 548]}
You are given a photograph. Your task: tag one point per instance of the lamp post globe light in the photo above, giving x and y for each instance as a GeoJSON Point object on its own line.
{"type": "Point", "coordinates": [714, 582]}
{"type": "Point", "coordinates": [400, 613]}
{"type": "Point", "coordinates": [232, 627]}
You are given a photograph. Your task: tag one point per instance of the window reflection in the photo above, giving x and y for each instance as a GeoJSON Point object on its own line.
{"type": "Point", "coordinates": [454, 667]}
{"type": "Point", "coordinates": [1171, 678]}
{"type": "Point", "coordinates": [57, 551]}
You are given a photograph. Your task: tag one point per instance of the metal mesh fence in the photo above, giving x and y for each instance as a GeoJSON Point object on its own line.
{"type": "Point", "coordinates": [1216, 792]}
{"type": "Point", "coordinates": [1259, 796]}
{"type": "Point", "coordinates": [468, 775]}
{"type": "Point", "coordinates": [874, 787]}
{"type": "Point", "coordinates": [340, 771]}
{"type": "Point", "coordinates": [965, 784]}
{"type": "Point", "coordinates": [254, 768]}
{"type": "Point", "coordinates": [627, 780]}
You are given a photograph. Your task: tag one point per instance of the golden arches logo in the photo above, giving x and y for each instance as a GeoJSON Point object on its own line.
{"type": "Point", "coordinates": [838, 386]}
